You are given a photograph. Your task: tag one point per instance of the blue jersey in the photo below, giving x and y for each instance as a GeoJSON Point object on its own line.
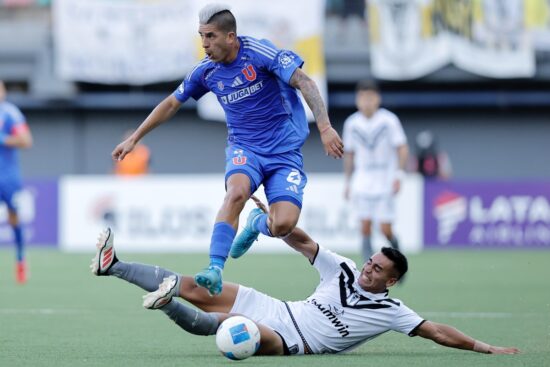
{"type": "Point", "coordinates": [263, 112]}
{"type": "Point", "coordinates": [11, 122]}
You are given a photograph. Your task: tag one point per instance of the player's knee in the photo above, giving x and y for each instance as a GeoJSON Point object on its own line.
{"type": "Point", "coordinates": [282, 228]}
{"type": "Point", "coordinates": [237, 195]}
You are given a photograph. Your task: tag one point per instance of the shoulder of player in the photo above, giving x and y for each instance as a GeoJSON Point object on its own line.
{"type": "Point", "coordinates": [386, 114]}
{"type": "Point", "coordinates": [11, 110]}
{"type": "Point", "coordinates": [200, 68]}
{"type": "Point", "coordinates": [254, 47]}
{"type": "Point", "coordinates": [353, 119]}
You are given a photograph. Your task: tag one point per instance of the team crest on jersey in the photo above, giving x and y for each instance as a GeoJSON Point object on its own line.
{"type": "Point", "coordinates": [249, 73]}
{"type": "Point", "coordinates": [220, 85]}
{"type": "Point", "coordinates": [239, 160]}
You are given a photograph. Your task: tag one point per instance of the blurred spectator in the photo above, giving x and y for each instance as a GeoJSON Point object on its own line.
{"type": "Point", "coordinates": [431, 162]}
{"type": "Point", "coordinates": [14, 135]}
{"type": "Point", "coordinates": [136, 163]}
{"type": "Point", "coordinates": [375, 156]}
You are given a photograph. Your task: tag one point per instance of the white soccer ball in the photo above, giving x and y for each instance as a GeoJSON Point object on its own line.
{"type": "Point", "coordinates": [238, 338]}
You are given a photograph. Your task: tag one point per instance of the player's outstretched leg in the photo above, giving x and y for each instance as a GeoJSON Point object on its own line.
{"type": "Point", "coordinates": [211, 279]}
{"type": "Point", "coordinates": [248, 235]}
{"type": "Point", "coordinates": [164, 294]}
{"type": "Point", "coordinates": [189, 319]}
{"type": "Point", "coordinates": [106, 262]}
{"type": "Point", "coordinates": [105, 256]}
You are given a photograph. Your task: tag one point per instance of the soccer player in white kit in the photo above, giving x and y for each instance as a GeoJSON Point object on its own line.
{"type": "Point", "coordinates": [350, 306]}
{"type": "Point", "coordinates": [375, 156]}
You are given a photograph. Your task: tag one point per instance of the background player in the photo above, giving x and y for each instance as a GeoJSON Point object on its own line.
{"type": "Point", "coordinates": [14, 134]}
{"type": "Point", "coordinates": [348, 307]}
{"type": "Point", "coordinates": [256, 84]}
{"type": "Point", "coordinates": [375, 157]}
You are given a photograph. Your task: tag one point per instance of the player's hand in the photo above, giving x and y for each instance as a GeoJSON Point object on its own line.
{"type": "Point", "coordinates": [259, 204]}
{"type": "Point", "coordinates": [123, 149]}
{"type": "Point", "coordinates": [503, 350]}
{"type": "Point", "coordinates": [332, 143]}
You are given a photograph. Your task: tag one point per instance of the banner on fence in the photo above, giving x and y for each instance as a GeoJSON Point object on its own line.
{"type": "Point", "coordinates": [487, 214]}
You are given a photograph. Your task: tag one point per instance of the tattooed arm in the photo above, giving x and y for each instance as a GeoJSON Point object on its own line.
{"type": "Point", "coordinates": [331, 140]}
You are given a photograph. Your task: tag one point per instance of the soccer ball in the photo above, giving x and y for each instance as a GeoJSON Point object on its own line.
{"type": "Point", "coordinates": [238, 338]}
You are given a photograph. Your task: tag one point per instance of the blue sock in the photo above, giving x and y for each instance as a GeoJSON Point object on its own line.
{"type": "Point", "coordinates": [261, 225]}
{"type": "Point", "coordinates": [19, 250]}
{"type": "Point", "coordinates": [220, 244]}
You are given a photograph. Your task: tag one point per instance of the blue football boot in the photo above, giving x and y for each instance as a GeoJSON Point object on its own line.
{"type": "Point", "coordinates": [211, 279]}
{"type": "Point", "coordinates": [248, 235]}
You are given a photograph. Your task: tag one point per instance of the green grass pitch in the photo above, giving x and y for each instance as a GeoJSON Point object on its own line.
{"type": "Point", "coordinates": [65, 316]}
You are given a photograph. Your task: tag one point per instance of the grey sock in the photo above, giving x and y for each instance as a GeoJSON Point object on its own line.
{"type": "Point", "coordinates": [366, 249]}
{"type": "Point", "coordinates": [147, 277]}
{"type": "Point", "coordinates": [191, 320]}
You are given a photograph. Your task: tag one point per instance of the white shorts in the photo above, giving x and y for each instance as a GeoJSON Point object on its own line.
{"type": "Point", "coordinates": [269, 312]}
{"type": "Point", "coordinates": [376, 208]}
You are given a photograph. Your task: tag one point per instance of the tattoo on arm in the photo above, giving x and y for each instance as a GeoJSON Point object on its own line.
{"type": "Point", "coordinates": [311, 94]}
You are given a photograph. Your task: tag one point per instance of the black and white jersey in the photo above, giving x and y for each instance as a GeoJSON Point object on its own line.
{"type": "Point", "coordinates": [374, 142]}
{"type": "Point", "coordinates": [340, 315]}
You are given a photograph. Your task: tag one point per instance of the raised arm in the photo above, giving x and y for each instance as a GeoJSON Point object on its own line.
{"type": "Point", "coordinates": [162, 112]}
{"type": "Point", "coordinates": [448, 336]}
{"type": "Point", "coordinates": [331, 140]}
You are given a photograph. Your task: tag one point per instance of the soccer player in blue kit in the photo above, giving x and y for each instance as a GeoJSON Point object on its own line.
{"type": "Point", "coordinates": [14, 135]}
{"type": "Point", "coordinates": [256, 84]}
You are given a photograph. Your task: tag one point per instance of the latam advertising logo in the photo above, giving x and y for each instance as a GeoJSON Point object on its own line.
{"type": "Point", "coordinates": [487, 214]}
{"type": "Point", "coordinates": [449, 210]}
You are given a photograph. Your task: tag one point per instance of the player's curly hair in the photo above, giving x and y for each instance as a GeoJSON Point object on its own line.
{"type": "Point", "coordinates": [400, 263]}
{"type": "Point", "coordinates": [219, 15]}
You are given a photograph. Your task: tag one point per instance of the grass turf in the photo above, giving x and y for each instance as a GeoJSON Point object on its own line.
{"type": "Point", "coordinates": [65, 316]}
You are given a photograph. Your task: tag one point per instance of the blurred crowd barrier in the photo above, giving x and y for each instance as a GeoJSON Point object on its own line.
{"type": "Point", "coordinates": [167, 213]}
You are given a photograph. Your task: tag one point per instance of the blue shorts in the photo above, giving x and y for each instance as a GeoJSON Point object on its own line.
{"type": "Point", "coordinates": [281, 174]}
{"type": "Point", "coordinates": [8, 191]}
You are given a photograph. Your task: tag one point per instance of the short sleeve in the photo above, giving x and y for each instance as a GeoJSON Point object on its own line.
{"type": "Point", "coordinates": [282, 63]}
{"type": "Point", "coordinates": [285, 64]}
{"type": "Point", "coordinates": [406, 321]}
{"type": "Point", "coordinates": [347, 136]}
{"type": "Point", "coordinates": [16, 121]}
{"type": "Point", "coordinates": [328, 263]}
{"type": "Point", "coordinates": [397, 134]}
{"type": "Point", "coordinates": [192, 86]}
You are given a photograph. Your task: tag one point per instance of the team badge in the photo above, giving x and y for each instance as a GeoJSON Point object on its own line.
{"type": "Point", "coordinates": [239, 161]}
{"type": "Point", "coordinates": [249, 73]}
{"type": "Point", "coordinates": [220, 85]}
